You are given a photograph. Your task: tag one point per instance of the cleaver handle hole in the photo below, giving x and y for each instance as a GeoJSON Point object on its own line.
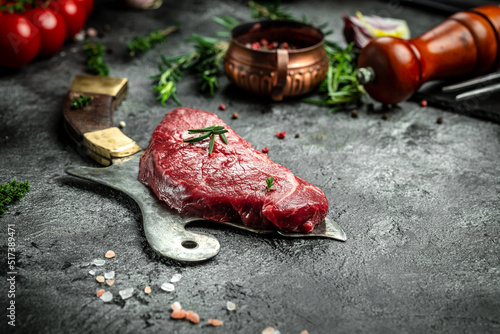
{"type": "Point", "coordinates": [190, 244]}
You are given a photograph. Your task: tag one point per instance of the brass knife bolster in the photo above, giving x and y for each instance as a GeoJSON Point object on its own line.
{"type": "Point", "coordinates": [92, 126]}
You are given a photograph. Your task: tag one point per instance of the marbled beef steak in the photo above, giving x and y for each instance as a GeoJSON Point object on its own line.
{"type": "Point", "coordinates": [230, 183]}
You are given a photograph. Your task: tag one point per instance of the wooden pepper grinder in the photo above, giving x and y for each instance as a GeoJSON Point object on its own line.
{"type": "Point", "coordinates": [466, 44]}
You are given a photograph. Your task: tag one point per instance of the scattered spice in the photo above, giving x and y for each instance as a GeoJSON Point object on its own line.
{"type": "Point", "coordinates": [235, 115]}
{"type": "Point", "coordinates": [147, 290]}
{"type": "Point", "coordinates": [92, 32]}
{"type": "Point", "coordinates": [100, 292]}
{"type": "Point", "coordinates": [215, 322]}
{"type": "Point", "coordinates": [107, 27]}
{"type": "Point", "coordinates": [297, 135]}
{"type": "Point", "coordinates": [439, 120]}
{"type": "Point", "coordinates": [100, 279]}
{"type": "Point", "coordinates": [370, 107]}
{"type": "Point", "coordinates": [178, 314]}
{"type": "Point", "coordinates": [281, 135]}
{"type": "Point", "coordinates": [110, 282]}
{"type": "Point", "coordinates": [265, 150]}
{"type": "Point", "coordinates": [222, 106]}
{"type": "Point", "coordinates": [354, 113]}
{"type": "Point", "coordinates": [385, 116]}
{"type": "Point", "coordinates": [264, 44]}
{"type": "Point", "coordinates": [339, 178]}
{"type": "Point", "coordinates": [423, 103]}
{"type": "Point", "coordinates": [110, 254]}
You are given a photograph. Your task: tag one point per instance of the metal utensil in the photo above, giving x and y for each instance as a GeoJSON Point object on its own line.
{"type": "Point", "coordinates": [91, 128]}
{"type": "Point", "coordinates": [473, 83]}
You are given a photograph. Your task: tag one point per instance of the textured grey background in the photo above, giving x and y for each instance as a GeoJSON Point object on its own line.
{"type": "Point", "coordinates": [419, 201]}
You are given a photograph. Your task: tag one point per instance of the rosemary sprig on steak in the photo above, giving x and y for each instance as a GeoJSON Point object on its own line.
{"type": "Point", "coordinates": [210, 131]}
{"type": "Point", "coordinates": [269, 184]}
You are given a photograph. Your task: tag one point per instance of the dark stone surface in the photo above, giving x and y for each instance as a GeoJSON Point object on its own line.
{"type": "Point", "coordinates": [419, 201]}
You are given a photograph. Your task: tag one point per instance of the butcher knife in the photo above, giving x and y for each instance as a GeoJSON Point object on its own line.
{"type": "Point", "coordinates": [88, 120]}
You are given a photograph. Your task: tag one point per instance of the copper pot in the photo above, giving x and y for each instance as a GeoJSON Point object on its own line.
{"type": "Point", "coordinates": [277, 73]}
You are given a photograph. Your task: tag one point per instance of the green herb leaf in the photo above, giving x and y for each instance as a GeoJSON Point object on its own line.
{"type": "Point", "coordinates": [269, 184]}
{"type": "Point", "coordinates": [81, 102]}
{"type": "Point", "coordinates": [209, 131]}
{"type": "Point", "coordinates": [340, 90]}
{"type": "Point", "coordinates": [146, 43]}
{"type": "Point", "coordinates": [12, 191]}
{"type": "Point", "coordinates": [95, 63]}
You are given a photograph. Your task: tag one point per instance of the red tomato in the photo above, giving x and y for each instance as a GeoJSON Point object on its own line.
{"type": "Point", "coordinates": [88, 4]}
{"type": "Point", "coordinates": [19, 40]}
{"type": "Point", "coordinates": [52, 29]}
{"type": "Point", "coordinates": [73, 13]}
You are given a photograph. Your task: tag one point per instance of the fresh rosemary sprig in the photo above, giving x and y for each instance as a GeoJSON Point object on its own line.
{"type": "Point", "coordinates": [12, 191]}
{"type": "Point", "coordinates": [145, 43]}
{"type": "Point", "coordinates": [206, 61]}
{"type": "Point", "coordinates": [95, 62]}
{"type": "Point", "coordinates": [340, 89]}
{"type": "Point", "coordinates": [269, 184]}
{"type": "Point", "coordinates": [210, 131]}
{"type": "Point", "coordinates": [82, 101]}
{"type": "Point", "coordinates": [271, 11]}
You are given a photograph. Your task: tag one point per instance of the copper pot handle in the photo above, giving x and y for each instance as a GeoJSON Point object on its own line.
{"type": "Point", "coordinates": [282, 60]}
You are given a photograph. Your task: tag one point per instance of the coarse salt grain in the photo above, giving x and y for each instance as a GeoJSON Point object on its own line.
{"type": "Point", "coordinates": [109, 275]}
{"type": "Point", "coordinates": [92, 272]}
{"type": "Point", "coordinates": [110, 282]}
{"type": "Point", "coordinates": [98, 262]}
{"type": "Point", "coordinates": [126, 293]}
{"type": "Point", "coordinates": [168, 287]}
{"type": "Point", "coordinates": [147, 290]}
{"type": "Point", "coordinates": [100, 292]}
{"type": "Point", "coordinates": [195, 318]}
{"type": "Point", "coordinates": [110, 254]}
{"type": "Point", "coordinates": [176, 306]}
{"type": "Point", "coordinates": [176, 278]}
{"type": "Point", "coordinates": [189, 314]}
{"type": "Point", "coordinates": [215, 322]}
{"type": "Point", "coordinates": [100, 279]}
{"type": "Point", "coordinates": [107, 297]}
{"type": "Point", "coordinates": [122, 124]}
{"type": "Point", "coordinates": [178, 314]}
{"type": "Point", "coordinates": [230, 306]}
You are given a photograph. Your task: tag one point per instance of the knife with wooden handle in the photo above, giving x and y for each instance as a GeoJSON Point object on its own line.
{"type": "Point", "coordinates": [91, 127]}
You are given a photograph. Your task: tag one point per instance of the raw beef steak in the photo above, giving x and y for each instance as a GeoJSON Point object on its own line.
{"type": "Point", "coordinates": [230, 183]}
